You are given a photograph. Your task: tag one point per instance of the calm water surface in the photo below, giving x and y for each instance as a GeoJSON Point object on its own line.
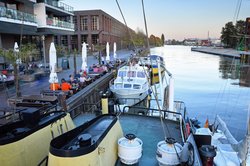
{"type": "Point", "coordinates": [208, 86]}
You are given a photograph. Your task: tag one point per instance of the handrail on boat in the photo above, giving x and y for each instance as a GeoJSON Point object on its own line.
{"type": "Point", "coordinates": [93, 107]}
{"type": "Point", "coordinates": [43, 109]}
{"type": "Point", "coordinates": [136, 107]}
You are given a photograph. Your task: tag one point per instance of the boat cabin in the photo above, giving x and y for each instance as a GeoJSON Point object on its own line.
{"type": "Point", "coordinates": [130, 78]}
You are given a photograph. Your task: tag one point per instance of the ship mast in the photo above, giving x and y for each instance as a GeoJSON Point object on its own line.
{"type": "Point", "coordinates": [145, 23]}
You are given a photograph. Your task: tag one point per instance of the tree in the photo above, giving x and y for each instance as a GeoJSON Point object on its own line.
{"type": "Point", "coordinates": [139, 38]}
{"type": "Point", "coordinates": [162, 39]}
{"type": "Point", "coordinates": [231, 35]}
{"type": "Point", "coordinates": [24, 53]}
{"type": "Point", "coordinates": [152, 40]}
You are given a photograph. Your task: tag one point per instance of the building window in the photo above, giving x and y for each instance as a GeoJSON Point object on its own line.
{"type": "Point", "coordinates": [94, 39]}
{"type": "Point", "coordinates": [84, 38]}
{"type": "Point", "coordinates": [94, 23]}
{"type": "Point", "coordinates": [75, 22]}
{"type": "Point", "coordinates": [84, 23]}
{"type": "Point", "coordinates": [56, 40]}
{"type": "Point", "coordinates": [74, 43]}
{"type": "Point", "coordinates": [64, 40]}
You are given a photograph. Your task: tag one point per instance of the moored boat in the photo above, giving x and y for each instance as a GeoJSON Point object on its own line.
{"type": "Point", "coordinates": [154, 62]}
{"type": "Point", "coordinates": [131, 84]}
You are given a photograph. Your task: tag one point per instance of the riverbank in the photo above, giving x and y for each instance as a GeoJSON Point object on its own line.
{"type": "Point", "coordinates": [226, 52]}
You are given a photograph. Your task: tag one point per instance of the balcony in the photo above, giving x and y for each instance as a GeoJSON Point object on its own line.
{"type": "Point", "coordinates": [60, 24]}
{"type": "Point", "coordinates": [60, 5]}
{"type": "Point", "coordinates": [16, 15]}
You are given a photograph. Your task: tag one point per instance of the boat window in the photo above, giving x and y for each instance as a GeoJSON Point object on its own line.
{"type": "Point", "coordinates": [141, 74]}
{"type": "Point", "coordinates": [122, 73]}
{"type": "Point", "coordinates": [127, 85]}
{"type": "Point", "coordinates": [136, 86]}
{"type": "Point", "coordinates": [118, 85]}
{"type": "Point", "coordinates": [131, 74]}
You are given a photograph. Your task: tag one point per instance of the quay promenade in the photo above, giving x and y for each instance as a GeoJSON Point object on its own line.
{"type": "Point", "coordinates": [34, 87]}
{"type": "Point", "coordinates": [227, 52]}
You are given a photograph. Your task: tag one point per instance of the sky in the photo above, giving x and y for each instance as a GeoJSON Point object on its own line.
{"type": "Point", "coordinates": [176, 19]}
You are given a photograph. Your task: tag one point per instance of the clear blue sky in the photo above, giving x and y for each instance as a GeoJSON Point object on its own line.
{"type": "Point", "coordinates": [176, 19]}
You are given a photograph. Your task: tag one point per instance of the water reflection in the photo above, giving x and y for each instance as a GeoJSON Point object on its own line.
{"type": "Point", "coordinates": [206, 83]}
{"type": "Point", "coordinates": [234, 69]}
{"type": "Point", "coordinates": [229, 68]}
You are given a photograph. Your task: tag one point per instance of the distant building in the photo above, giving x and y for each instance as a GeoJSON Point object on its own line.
{"type": "Point", "coordinates": [94, 27]}
{"type": "Point", "coordinates": [204, 42]}
{"type": "Point", "coordinates": [190, 42]}
{"type": "Point", "coordinates": [33, 19]}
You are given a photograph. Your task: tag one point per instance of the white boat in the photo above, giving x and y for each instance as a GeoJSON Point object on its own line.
{"type": "Point", "coordinates": [131, 84]}
{"type": "Point", "coordinates": [229, 151]}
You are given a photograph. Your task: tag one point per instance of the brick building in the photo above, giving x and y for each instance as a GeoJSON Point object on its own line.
{"type": "Point", "coordinates": [94, 27]}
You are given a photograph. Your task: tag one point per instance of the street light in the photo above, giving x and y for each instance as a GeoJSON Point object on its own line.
{"type": "Point", "coordinates": [44, 56]}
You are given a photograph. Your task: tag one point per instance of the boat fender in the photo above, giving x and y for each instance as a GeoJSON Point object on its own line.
{"type": "Point", "coordinates": [187, 129]}
{"type": "Point", "coordinates": [187, 155]}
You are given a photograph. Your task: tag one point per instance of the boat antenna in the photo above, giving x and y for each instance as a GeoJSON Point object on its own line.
{"type": "Point", "coordinates": [145, 23]}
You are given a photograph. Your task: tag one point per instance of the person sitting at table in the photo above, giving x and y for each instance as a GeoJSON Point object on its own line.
{"type": "Point", "coordinates": [71, 79]}
{"type": "Point", "coordinates": [78, 75]}
{"type": "Point", "coordinates": [55, 86]}
{"type": "Point", "coordinates": [65, 86]}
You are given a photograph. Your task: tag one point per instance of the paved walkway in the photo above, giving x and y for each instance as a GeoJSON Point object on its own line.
{"type": "Point", "coordinates": [35, 87]}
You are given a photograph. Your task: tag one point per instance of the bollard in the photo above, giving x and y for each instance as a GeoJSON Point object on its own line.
{"type": "Point", "coordinates": [62, 101]}
{"type": "Point", "coordinates": [104, 103]}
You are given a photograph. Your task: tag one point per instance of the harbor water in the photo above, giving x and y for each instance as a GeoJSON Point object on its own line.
{"type": "Point", "coordinates": [209, 85]}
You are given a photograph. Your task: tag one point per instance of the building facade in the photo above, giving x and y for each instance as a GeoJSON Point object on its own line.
{"type": "Point", "coordinates": [94, 27]}
{"type": "Point", "coordinates": [34, 21]}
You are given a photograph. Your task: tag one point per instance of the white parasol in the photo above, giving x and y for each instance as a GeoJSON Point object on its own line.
{"type": "Point", "coordinates": [114, 50]}
{"type": "Point", "coordinates": [16, 50]}
{"type": "Point", "coordinates": [52, 64]}
{"type": "Point", "coordinates": [107, 52]}
{"type": "Point", "coordinates": [84, 56]}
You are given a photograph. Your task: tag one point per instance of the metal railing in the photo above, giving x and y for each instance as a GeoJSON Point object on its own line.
{"type": "Point", "coordinates": [17, 15]}
{"type": "Point", "coordinates": [60, 5]}
{"type": "Point", "coordinates": [59, 23]}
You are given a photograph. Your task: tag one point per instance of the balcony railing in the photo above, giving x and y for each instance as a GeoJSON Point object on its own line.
{"type": "Point", "coordinates": [16, 15]}
{"type": "Point", "coordinates": [60, 5]}
{"type": "Point", "coordinates": [61, 24]}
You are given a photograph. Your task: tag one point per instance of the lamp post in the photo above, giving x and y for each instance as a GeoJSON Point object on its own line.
{"type": "Point", "coordinates": [44, 56]}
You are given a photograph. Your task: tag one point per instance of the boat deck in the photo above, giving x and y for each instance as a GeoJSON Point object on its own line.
{"type": "Point", "coordinates": [147, 128]}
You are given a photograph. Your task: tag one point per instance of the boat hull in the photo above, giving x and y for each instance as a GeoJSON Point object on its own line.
{"type": "Point", "coordinates": [32, 149]}
{"type": "Point", "coordinates": [129, 97]}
